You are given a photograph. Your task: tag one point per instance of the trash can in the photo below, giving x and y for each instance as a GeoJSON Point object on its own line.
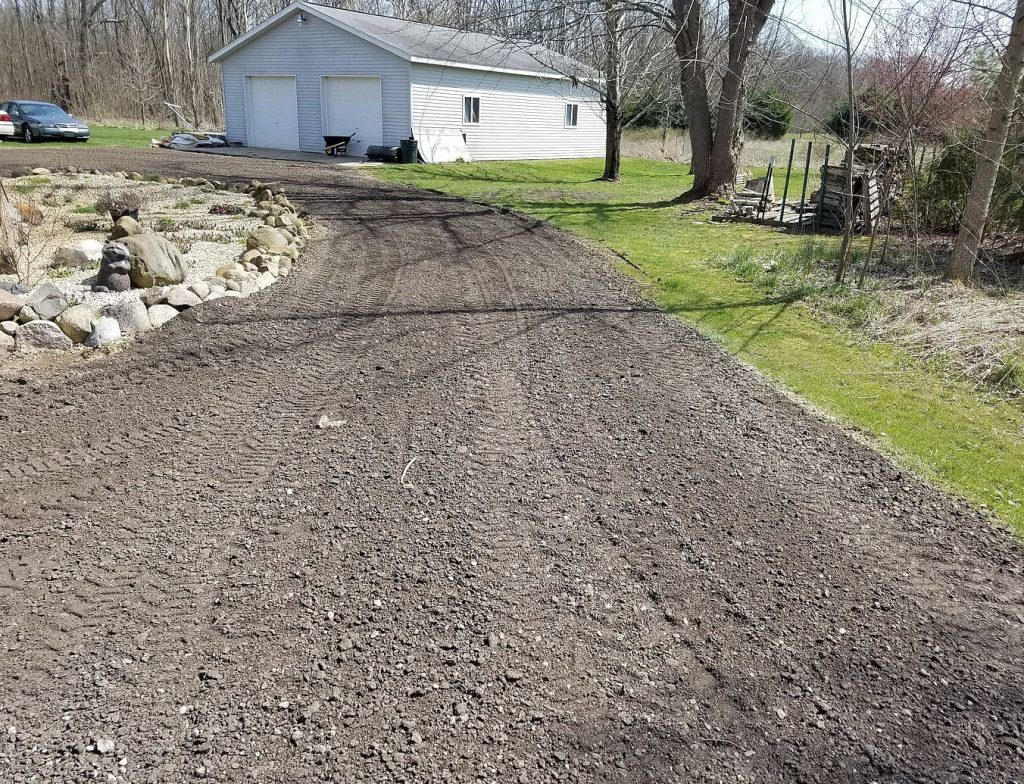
{"type": "Point", "coordinates": [410, 150]}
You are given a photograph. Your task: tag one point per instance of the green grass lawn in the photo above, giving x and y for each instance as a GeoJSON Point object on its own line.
{"type": "Point", "coordinates": [944, 429]}
{"type": "Point", "coordinates": [101, 136]}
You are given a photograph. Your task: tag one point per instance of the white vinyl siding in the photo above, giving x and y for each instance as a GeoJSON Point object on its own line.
{"type": "Point", "coordinates": [309, 51]}
{"type": "Point", "coordinates": [521, 117]}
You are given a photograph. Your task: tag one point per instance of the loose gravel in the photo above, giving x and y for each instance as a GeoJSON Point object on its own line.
{"type": "Point", "coordinates": [547, 534]}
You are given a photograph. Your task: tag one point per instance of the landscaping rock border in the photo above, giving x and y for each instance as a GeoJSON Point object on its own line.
{"type": "Point", "coordinates": [43, 319]}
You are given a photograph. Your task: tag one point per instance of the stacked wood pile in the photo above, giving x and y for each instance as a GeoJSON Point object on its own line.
{"type": "Point", "coordinates": [832, 199]}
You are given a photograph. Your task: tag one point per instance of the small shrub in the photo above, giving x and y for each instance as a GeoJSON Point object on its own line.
{"type": "Point", "coordinates": [118, 203]}
{"type": "Point", "coordinates": [85, 226]}
{"type": "Point", "coordinates": [61, 272]}
{"type": "Point", "coordinates": [163, 223]}
{"type": "Point", "coordinates": [84, 209]}
{"type": "Point", "coordinates": [226, 209]}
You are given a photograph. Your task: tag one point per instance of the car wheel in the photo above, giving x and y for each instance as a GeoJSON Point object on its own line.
{"type": "Point", "coordinates": [27, 133]}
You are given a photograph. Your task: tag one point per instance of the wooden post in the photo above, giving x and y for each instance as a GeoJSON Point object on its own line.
{"type": "Point", "coordinates": [821, 190]}
{"type": "Point", "coordinates": [785, 188]}
{"type": "Point", "coordinates": [803, 192]}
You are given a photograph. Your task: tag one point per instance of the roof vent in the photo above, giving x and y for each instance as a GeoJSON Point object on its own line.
{"type": "Point", "coordinates": [301, 18]}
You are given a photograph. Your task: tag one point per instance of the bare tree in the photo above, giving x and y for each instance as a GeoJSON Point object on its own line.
{"type": "Point", "coordinates": [990, 153]}
{"type": "Point", "coordinates": [716, 133]}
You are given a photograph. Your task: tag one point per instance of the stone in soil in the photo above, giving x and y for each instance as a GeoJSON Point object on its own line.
{"type": "Point", "coordinates": [47, 301]}
{"type": "Point", "coordinates": [76, 322]}
{"type": "Point", "coordinates": [10, 305]}
{"type": "Point", "coordinates": [130, 314]}
{"type": "Point", "coordinates": [81, 254]}
{"type": "Point", "coordinates": [105, 332]}
{"type": "Point", "coordinates": [41, 336]}
{"type": "Point", "coordinates": [160, 315]}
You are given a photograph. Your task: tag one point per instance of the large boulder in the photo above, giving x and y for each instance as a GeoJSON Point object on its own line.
{"type": "Point", "coordinates": [266, 237]}
{"type": "Point", "coordinates": [6, 342]}
{"type": "Point", "coordinates": [130, 315]}
{"type": "Point", "coordinates": [81, 254]}
{"type": "Point", "coordinates": [106, 331]}
{"type": "Point", "coordinates": [41, 336]}
{"type": "Point", "coordinates": [126, 226]}
{"type": "Point", "coordinates": [160, 315]}
{"type": "Point", "coordinates": [47, 301]}
{"type": "Point", "coordinates": [154, 261]}
{"type": "Point", "coordinates": [76, 322]}
{"type": "Point", "coordinates": [10, 306]}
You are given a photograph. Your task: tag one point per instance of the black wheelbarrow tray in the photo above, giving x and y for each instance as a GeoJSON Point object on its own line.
{"type": "Point", "coordinates": [337, 145]}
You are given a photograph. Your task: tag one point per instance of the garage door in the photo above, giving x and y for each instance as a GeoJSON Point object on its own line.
{"type": "Point", "coordinates": [273, 113]}
{"type": "Point", "coordinates": [352, 104]}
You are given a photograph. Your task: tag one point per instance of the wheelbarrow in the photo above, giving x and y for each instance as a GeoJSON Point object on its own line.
{"type": "Point", "coordinates": [337, 145]}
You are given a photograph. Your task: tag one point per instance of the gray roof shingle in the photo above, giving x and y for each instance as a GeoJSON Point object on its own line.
{"type": "Point", "coordinates": [449, 45]}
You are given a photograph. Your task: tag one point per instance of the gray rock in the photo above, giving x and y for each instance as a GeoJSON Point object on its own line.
{"type": "Point", "coordinates": [9, 327]}
{"type": "Point", "coordinates": [27, 314]}
{"type": "Point", "coordinates": [131, 315]}
{"type": "Point", "coordinates": [154, 296]}
{"type": "Point", "coordinates": [182, 298]}
{"type": "Point", "coordinates": [216, 283]}
{"type": "Point", "coordinates": [105, 332]}
{"type": "Point", "coordinates": [160, 315]}
{"type": "Point", "coordinates": [41, 336]}
{"type": "Point", "coordinates": [6, 342]}
{"type": "Point", "coordinates": [13, 288]}
{"type": "Point", "coordinates": [76, 322]}
{"type": "Point", "coordinates": [248, 286]}
{"type": "Point", "coordinates": [264, 279]}
{"type": "Point", "coordinates": [104, 745]}
{"type": "Point", "coordinates": [266, 237]}
{"type": "Point", "coordinates": [155, 261]}
{"type": "Point", "coordinates": [126, 226]}
{"type": "Point", "coordinates": [81, 254]}
{"type": "Point", "coordinates": [10, 305]}
{"type": "Point", "coordinates": [47, 300]}
{"type": "Point", "coordinates": [200, 289]}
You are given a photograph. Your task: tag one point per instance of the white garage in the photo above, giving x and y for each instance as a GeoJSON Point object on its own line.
{"type": "Point", "coordinates": [273, 109]}
{"type": "Point", "coordinates": [311, 71]}
{"type": "Point", "coordinates": [353, 105]}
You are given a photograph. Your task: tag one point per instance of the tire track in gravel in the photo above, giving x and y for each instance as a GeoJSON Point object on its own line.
{"type": "Point", "coordinates": [617, 556]}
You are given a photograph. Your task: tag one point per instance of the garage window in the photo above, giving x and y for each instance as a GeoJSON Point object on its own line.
{"type": "Point", "coordinates": [471, 110]}
{"type": "Point", "coordinates": [572, 115]}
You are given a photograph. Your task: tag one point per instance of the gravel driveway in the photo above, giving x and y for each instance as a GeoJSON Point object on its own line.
{"type": "Point", "coordinates": [557, 536]}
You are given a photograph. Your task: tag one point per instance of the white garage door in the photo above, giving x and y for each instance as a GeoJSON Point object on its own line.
{"type": "Point", "coordinates": [273, 113]}
{"type": "Point", "coordinates": [352, 104]}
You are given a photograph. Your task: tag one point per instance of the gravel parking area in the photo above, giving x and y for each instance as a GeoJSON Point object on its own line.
{"type": "Point", "coordinates": [546, 533]}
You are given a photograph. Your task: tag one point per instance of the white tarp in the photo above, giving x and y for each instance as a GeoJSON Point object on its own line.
{"type": "Point", "coordinates": [442, 145]}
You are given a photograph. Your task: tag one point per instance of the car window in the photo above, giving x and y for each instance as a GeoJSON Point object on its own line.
{"type": "Point", "coordinates": [43, 110]}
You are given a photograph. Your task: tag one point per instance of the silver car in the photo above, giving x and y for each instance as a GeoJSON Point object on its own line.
{"type": "Point", "coordinates": [35, 121]}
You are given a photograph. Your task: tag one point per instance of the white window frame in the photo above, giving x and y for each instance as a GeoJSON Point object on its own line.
{"type": "Point", "coordinates": [470, 102]}
{"type": "Point", "coordinates": [572, 115]}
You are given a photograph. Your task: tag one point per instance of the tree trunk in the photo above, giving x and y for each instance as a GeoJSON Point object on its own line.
{"type": "Point", "coordinates": [716, 139]}
{"type": "Point", "coordinates": [613, 119]}
{"type": "Point", "coordinates": [990, 154]}
{"type": "Point", "coordinates": [851, 140]}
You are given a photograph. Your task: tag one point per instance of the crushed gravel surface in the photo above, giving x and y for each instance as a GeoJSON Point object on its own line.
{"type": "Point", "coordinates": [546, 533]}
